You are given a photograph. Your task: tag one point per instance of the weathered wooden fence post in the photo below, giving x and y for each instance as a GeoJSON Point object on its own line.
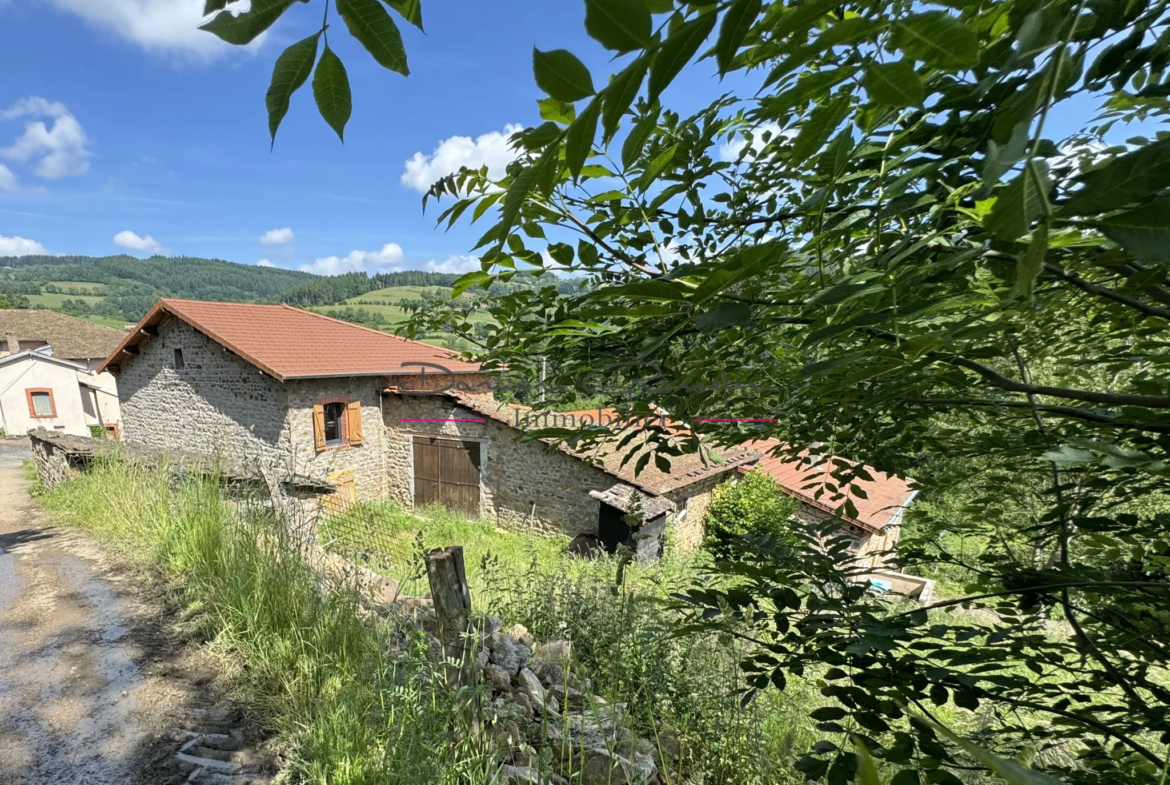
{"type": "Point", "coordinates": [452, 600]}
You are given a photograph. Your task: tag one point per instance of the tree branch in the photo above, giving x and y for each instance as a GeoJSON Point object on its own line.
{"type": "Point", "coordinates": [1075, 412]}
{"type": "Point", "coordinates": [1105, 292]}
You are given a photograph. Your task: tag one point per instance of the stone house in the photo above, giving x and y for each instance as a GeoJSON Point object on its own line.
{"type": "Point", "coordinates": [380, 417]}
{"type": "Point", "coordinates": [80, 399]}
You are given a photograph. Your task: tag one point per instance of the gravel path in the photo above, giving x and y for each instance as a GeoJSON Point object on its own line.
{"type": "Point", "coordinates": [92, 687]}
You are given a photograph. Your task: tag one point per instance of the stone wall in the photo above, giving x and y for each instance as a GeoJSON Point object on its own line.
{"type": "Point", "coordinates": [217, 404]}
{"type": "Point", "coordinates": [524, 484]}
{"type": "Point", "coordinates": [366, 462]}
{"type": "Point", "coordinates": [52, 462]}
{"type": "Point", "coordinates": [687, 530]}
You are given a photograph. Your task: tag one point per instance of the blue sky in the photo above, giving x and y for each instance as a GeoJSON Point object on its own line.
{"type": "Point", "coordinates": [123, 128]}
{"type": "Point", "coordinates": [153, 133]}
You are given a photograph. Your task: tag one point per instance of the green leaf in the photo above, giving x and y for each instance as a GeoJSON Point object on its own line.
{"type": "Point", "coordinates": [621, 94]}
{"type": "Point", "coordinates": [802, 17]}
{"type": "Point", "coordinates": [677, 50]}
{"type": "Point", "coordinates": [1122, 181]}
{"type": "Point", "coordinates": [240, 29]}
{"type": "Point", "coordinates": [938, 39]}
{"type": "Point", "coordinates": [819, 126]}
{"type": "Point", "coordinates": [331, 91]}
{"type": "Point", "coordinates": [618, 25]}
{"type": "Point", "coordinates": [560, 74]}
{"type": "Point", "coordinates": [906, 777]}
{"type": "Point", "coordinates": [410, 10]}
{"type": "Point", "coordinates": [894, 84]}
{"type": "Point", "coordinates": [656, 167]}
{"type": "Point", "coordinates": [723, 316]}
{"type": "Point", "coordinates": [369, 22]}
{"type": "Point", "coordinates": [1009, 770]}
{"type": "Point", "coordinates": [1144, 232]}
{"type": "Point", "coordinates": [736, 23]}
{"type": "Point", "coordinates": [579, 140]}
{"type": "Point", "coordinates": [522, 185]}
{"type": "Point", "coordinates": [211, 6]}
{"type": "Point", "coordinates": [828, 713]}
{"type": "Point", "coordinates": [557, 111]}
{"type": "Point", "coordinates": [291, 70]}
{"type": "Point", "coordinates": [1030, 265]}
{"type": "Point", "coordinates": [468, 280]}
{"type": "Point", "coordinates": [1020, 202]}
{"type": "Point", "coordinates": [867, 773]}
{"type": "Point", "coordinates": [745, 263]}
{"type": "Point", "coordinates": [636, 139]}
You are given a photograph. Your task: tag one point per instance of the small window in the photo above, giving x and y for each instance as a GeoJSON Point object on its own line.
{"type": "Point", "coordinates": [334, 412]}
{"type": "Point", "coordinates": [179, 364]}
{"type": "Point", "coordinates": [40, 403]}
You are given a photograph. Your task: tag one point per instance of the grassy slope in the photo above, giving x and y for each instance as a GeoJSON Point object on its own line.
{"type": "Point", "coordinates": [384, 302]}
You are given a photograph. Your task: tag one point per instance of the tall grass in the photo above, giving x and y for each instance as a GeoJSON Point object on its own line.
{"type": "Point", "coordinates": [307, 663]}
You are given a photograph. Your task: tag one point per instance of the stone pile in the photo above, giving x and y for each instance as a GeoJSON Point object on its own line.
{"type": "Point", "coordinates": [540, 713]}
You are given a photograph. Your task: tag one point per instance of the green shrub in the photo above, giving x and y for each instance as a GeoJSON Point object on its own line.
{"type": "Point", "coordinates": [754, 506]}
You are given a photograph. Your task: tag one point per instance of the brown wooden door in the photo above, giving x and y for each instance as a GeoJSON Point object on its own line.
{"type": "Point", "coordinates": [447, 471]}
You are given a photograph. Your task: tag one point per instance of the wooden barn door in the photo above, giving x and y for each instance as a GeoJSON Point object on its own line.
{"type": "Point", "coordinates": [447, 471]}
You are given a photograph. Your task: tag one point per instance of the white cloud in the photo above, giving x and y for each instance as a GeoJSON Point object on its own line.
{"type": "Point", "coordinates": [454, 264]}
{"type": "Point", "coordinates": [160, 26]}
{"type": "Point", "coordinates": [128, 239]}
{"type": "Point", "coordinates": [19, 246]}
{"type": "Point", "coordinates": [274, 236]}
{"type": "Point", "coordinates": [7, 179]}
{"type": "Point", "coordinates": [357, 261]}
{"type": "Point", "coordinates": [422, 171]}
{"type": "Point", "coordinates": [265, 263]}
{"type": "Point", "coordinates": [731, 149]}
{"type": "Point", "coordinates": [59, 151]}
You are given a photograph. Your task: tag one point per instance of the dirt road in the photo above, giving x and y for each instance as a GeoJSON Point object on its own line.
{"type": "Point", "coordinates": [93, 689]}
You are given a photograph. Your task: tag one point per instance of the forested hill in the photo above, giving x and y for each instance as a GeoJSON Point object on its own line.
{"type": "Point", "coordinates": [122, 288]}
{"type": "Point", "coordinates": [338, 288]}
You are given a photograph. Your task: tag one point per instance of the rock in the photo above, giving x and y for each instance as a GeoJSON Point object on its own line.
{"type": "Point", "coordinates": [524, 653]}
{"type": "Point", "coordinates": [499, 678]}
{"type": "Point", "coordinates": [668, 747]}
{"type": "Point", "coordinates": [602, 767]}
{"type": "Point", "coordinates": [522, 700]}
{"type": "Point", "coordinates": [522, 775]}
{"type": "Point", "coordinates": [503, 652]}
{"type": "Point", "coordinates": [556, 652]}
{"type": "Point", "coordinates": [531, 685]}
{"type": "Point", "coordinates": [488, 625]}
{"type": "Point", "coordinates": [553, 677]}
{"type": "Point", "coordinates": [482, 659]}
{"type": "Point", "coordinates": [521, 634]}
{"type": "Point", "coordinates": [575, 699]}
{"type": "Point", "coordinates": [507, 735]}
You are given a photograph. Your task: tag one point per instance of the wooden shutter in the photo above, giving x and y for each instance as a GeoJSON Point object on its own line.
{"type": "Point", "coordinates": [353, 422]}
{"type": "Point", "coordinates": [319, 427]}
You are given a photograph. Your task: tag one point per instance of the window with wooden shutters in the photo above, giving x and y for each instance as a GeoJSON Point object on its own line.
{"type": "Point", "coordinates": [353, 423]}
{"type": "Point", "coordinates": [337, 423]}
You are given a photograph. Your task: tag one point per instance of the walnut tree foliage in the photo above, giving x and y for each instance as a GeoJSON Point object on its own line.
{"type": "Point", "coordinates": [883, 237]}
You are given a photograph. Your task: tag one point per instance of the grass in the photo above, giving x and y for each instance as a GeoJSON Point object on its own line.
{"type": "Point", "coordinates": [55, 300]}
{"type": "Point", "coordinates": [614, 613]}
{"type": "Point", "coordinates": [302, 657]}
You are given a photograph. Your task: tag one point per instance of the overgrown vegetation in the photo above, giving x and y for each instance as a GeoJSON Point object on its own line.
{"type": "Point", "coordinates": [753, 507]}
{"type": "Point", "coordinates": [299, 651]}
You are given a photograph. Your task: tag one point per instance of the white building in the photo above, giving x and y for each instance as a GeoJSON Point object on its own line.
{"type": "Point", "coordinates": [38, 390]}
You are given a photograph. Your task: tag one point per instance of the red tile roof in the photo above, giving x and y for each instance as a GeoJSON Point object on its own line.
{"type": "Point", "coordinates": [289, 343]}
{"type": "Point", "coordinates": [887, 495]}
{"type": "Point", "coordinates": [684, 469]}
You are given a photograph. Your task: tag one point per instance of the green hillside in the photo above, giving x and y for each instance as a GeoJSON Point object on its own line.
{"type": "Point", "coordinates": [114, 290]}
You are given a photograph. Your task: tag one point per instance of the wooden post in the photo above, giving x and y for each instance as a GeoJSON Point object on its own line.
{"type": "Point", "coordinates": [452, 601]}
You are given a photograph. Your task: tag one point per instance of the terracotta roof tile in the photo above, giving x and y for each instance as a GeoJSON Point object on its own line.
{"type": "Point", "coordinates": [887, 495]}
{"type": "Point", "coordinates": [290, 343]}
{"type": "Point", "coordinates": [68, 336]}
{"type": "Point", "coordinates": [684, 469]}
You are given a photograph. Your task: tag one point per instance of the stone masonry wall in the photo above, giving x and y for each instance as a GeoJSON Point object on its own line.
{"type": "Point", "coordinates": [524, 484]}
{"type": "Point", "coordinates": [688, 532]}
{"type": "Point", "coordinates": [366, 461]}
{"type": "Point", "coordinates": [218, 404]}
